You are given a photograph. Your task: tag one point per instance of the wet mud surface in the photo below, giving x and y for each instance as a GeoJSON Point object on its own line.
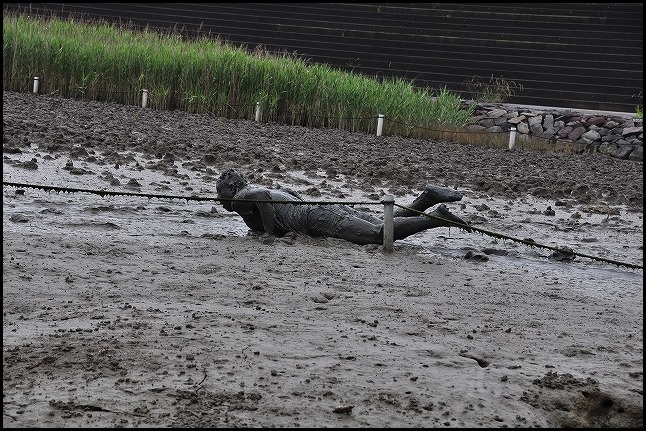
{"type": "Point", "coordinates": [128, 311]}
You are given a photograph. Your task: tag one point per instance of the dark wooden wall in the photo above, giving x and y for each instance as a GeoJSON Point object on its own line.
{"type": "Point", "coordinates": [570, 55]}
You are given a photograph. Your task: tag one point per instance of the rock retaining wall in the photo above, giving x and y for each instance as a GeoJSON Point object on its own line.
{"type": "Point", "coordinates": [615, 135]}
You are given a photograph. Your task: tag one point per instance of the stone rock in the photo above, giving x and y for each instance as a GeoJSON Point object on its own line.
{"type": "Point", "coordinates": [532, 121]}
{"type": "Point", "coordinates": [576, 133]}
{"type": "Point", "coordinates": [536, 129]}
{"type": "Point", "coordinates": [548, 121]}
{"type": "Point", "coordinates": [610, 137]}
{"type": "Point", "coordinates": [624, 151]}
{"type": "Point", "coordinates": [632, 130]}
{"type": "Point", "coordinates": [603, 131]}
{"type": "Point", "coordinates": [548, 133]}
{"type": "Point", "coordinates": [637, 154]}
{"type": "Point", "coordinates": [522, 128]}
{"type": "Point", "coordinates": [565, 131]}
{"type": "Point", "coordinates": [615, 136]}
{"type": "Point", "coordinates": [497, 113]}
{"type": "Point", "coordinates": [595, 121]}
{"type": "Point", "coordinates": [591, 135]}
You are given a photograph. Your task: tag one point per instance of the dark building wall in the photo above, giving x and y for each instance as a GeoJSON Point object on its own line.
{"type": "Point", "coordinates": [571, 55]}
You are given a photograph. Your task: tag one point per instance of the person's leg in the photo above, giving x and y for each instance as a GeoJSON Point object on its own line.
{"type": "Point", "coordinates": [432, 195]}
{"type": "Point", "coordinates": [335, 222]}
{"type": "Point", "coordinates": [361, 214]}
{"type": "Point", "coordinates": [406, 226]}
{"type": "Point", "coordinates": [338, 221]}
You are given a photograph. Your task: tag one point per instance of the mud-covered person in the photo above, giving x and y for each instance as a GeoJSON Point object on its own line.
{"type": "Point", "coordinates": [257, 207]}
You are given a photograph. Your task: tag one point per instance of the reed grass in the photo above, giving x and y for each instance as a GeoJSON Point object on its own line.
{"type": "Point", "coordinates": [105, 62]}
{"type": "Point", "coordinates": [492, 89]}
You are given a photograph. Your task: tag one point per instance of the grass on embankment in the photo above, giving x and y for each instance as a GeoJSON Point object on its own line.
{"type": "Point", "coordinates": [103, 62]}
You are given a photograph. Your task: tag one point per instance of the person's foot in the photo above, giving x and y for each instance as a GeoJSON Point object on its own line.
{"type": "Point", "coordinates": [441, 194]}
{"type": "Point", "coordinates": [431, 196]}
{"type": "Point", "coordinates": [442, 212]}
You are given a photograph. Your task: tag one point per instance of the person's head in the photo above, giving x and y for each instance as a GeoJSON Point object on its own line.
{"type": "Point", "coordinates": [229, 183]}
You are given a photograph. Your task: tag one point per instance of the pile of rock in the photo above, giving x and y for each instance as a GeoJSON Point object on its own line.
{"type": "Point", "coordinates": [617, 135]}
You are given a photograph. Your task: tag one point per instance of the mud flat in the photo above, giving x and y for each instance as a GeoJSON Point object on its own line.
{"type": "Point", "coordinates": [123, 311]}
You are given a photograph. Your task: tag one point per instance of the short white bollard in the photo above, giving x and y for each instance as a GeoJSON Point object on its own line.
{"type": "Point", "coordinates": [144, 98]}
{"type": "Point", "coordinates": [36, 84]}
{"type": "Point", "coordinates": [257, 112]}
{"type": "Point", "coordinates": [389, 204]}
{"type": "Point", "coordinates": [380, 124]}
{"type": "Point", "coordinates": [512, 138]}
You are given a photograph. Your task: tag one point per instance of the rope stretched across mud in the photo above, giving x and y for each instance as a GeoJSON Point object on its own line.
{"type": "Point", "coordinates": [568, 253]}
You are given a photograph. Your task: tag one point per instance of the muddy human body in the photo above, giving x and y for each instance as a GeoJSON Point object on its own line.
{"type": "Point", "coordinates": [253, 204]}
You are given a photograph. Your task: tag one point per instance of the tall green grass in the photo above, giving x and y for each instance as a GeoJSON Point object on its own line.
{"type": "Point", "coordinates": [104, 62]}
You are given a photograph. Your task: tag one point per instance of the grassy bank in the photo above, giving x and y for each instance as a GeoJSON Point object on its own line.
{"type": "Point", "coordinates": [103, 62]}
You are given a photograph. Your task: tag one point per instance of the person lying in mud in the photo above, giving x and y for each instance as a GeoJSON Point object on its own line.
{"type": "Point", "coordinates": [333, 220]}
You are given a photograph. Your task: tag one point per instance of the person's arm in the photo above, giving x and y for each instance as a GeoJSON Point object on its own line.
{"type": "Point", "coordinates": [266, 210]}
{"type": "Point", "coordinates": [291, 192]}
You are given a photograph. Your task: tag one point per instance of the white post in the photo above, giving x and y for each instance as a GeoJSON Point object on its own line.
{"type": "Point", "coordinates": [512, 138]}
{"type": "Point", "coordinates": [257, 112]}
{"type": "Point", "coordinates": [380, 124]}
{"type": "Point", "coordinates": [389, 204]}
{"type": "Point", "coordinates": [144, 98]}
{"type": "Point", "coordinates": [36, 85]}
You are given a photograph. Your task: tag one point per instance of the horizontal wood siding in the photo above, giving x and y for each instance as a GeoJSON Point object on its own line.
{"type": "Point", "coordinates": [571, 55]}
